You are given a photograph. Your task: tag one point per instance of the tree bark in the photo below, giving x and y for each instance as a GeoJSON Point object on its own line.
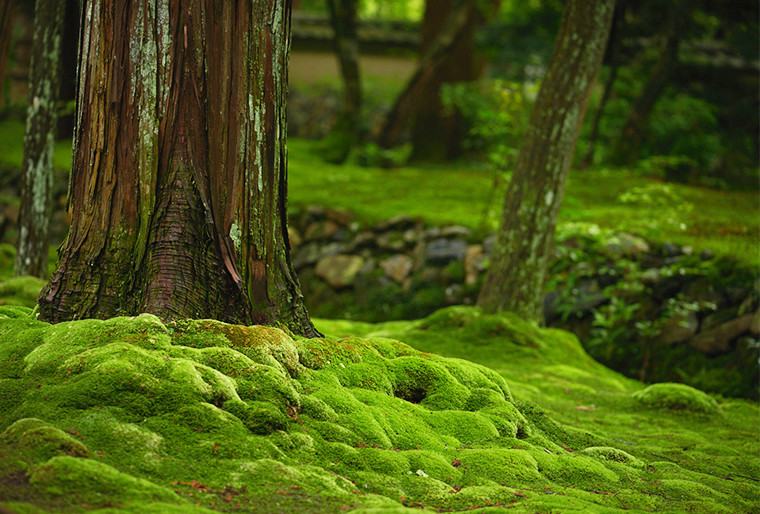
{"type": "Point", "coordinates": [178, 185]}
{"type": "Point", "coordinates": [39, 140]}
{"type": "Point", "coordinates": [6, 31]}
{"type": "Point", "coordinates": [515, 278]}
{"type": "Point", "coordinates": [347, 132]}
{"type": "Point", "coordinates": [432, 58]}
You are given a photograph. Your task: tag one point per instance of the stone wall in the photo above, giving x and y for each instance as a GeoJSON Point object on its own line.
{"type": "Point", "coordinates": [680, 303]}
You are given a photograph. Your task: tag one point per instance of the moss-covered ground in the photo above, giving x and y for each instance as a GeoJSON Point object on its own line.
{"type": "Point", "coordinates": [136, 415]}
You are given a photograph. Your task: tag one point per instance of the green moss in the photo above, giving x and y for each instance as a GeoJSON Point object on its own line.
{"type": "Point", "coordinates": [679, 397]}
{"type": "Point", "coordinates": [188, 415]}
{"type": "Point", "coordinates": [22, 291]}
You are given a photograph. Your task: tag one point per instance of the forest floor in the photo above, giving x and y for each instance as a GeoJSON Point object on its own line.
{"type": "Point", "coordinates": [469, 194]}
{"type": "Point", "coordinates": [134, 415]}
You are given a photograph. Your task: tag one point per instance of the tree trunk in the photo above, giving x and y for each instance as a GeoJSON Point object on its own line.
{"type": "Point", "coordinates": [402, 112]}
{"type": "Point", "coordinates": [178, 185]}
{"type": "Point", "coordinates": [39, 140]}
{"type": "Point", "coordinates": [626, 148]}
{"type": "Point", "coordinates": [347, 132]}
{"type": "Point", "coordinates": [437, 135]}
{"type": "Point", "coordinates": [6, 32]}
{"type": "Point", "coordinates": [611, 56]}
{"type": "Point", "coordinates": [515, 277]}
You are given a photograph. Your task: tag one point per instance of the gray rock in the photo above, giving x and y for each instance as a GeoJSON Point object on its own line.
{"type": "Point", "coordinates": [443, 251]}
{"type": "Point", "coordinates": [671, 250]}
{"type": "Point", "coordinates": [391, 241]}
{"type": "Point", "coordinates": [339, 270]}
{"type": "Point", "coordinates": [624, 244]}
{"type": "Point", "coordinates": [489, 242]}
{"type": "Point", "coordinates": [364, 239]}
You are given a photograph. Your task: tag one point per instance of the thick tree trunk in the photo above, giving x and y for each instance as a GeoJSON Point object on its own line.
{"type": "Point", "coordinates": [347, 132]}
{"type": "Point", "coordinates": [39, 140]}
{"type": "Point", "coordinates": [432, 58]}
{"type": "Point", "coordinates": [515, 277]}
{"type": "Point", "coordinates": [437, 135]}
{"type": "Point", "coordinates": [6, 31]}
{"type": "Point", "coordinates": [178, 187]}
{"type": "Point", "coordinates": [626, 148]}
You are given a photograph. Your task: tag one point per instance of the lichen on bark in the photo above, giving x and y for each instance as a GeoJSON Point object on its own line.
{"type": "Point", "coordinates": [179, 175]}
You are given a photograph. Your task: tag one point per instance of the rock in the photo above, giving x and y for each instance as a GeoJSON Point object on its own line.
{"type": "Point", "coordinates": [339, 270]}
{"type": "Point", "coordinates": [488, 243]}
{"type": "Point", "coordinates": [454, 231]}
{"type": "Point", "coordinates": [670, 250]}
{"type": "Point", "coordinates": [718, 339]}
{"type": "Point", "coordinates": [342, 218]}
{"type": "Point", "coordinates": [312, 252]}
{"type": "Point", "coordinates": [397, 267]}
{"type": "Point", "coordinates": [679, 328]}
{"type": "Point", "coordinates": [706, 255]}
{"type": "Point", "coordinates": [624, 244]}
{"type": "Point", "coordinates": [391, 241]}
{"type": "Point", "coordinates": [736, 295]}
{"type": "Point", "coordinates": [294, 237]}
{"type": "Point", "coordinates": [364, 239]}
{"type": "Point", "coordinates": [443, 251]}
{"type": "Point", "coordinates": [396, 223]}
{"type": "Point", "coordinates": [321, 230]}
{"type": "Point", "coordinates": [474, 259]}
{"type": "Point", "coordinates": [754, 326]}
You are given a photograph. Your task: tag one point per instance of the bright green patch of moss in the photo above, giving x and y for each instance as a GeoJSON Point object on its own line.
{"type": "Point", "coordinates": [135, 415]}
{"type": "Point", "coordinates": [676, 397]}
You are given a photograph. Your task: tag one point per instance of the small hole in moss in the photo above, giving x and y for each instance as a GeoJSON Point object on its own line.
{"type": "Point", "coordinates": [415, 395]}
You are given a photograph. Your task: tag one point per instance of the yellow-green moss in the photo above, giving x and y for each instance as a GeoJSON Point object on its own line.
{"type": "Point", "coordinates": [678, 397]}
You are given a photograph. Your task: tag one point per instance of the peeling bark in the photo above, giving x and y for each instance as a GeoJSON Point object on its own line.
{"type": "Point", "coordinates": [178, 185]}
{"type": "Point", "coordinates": [39, 140]}
{"type": "Point", "coordinates": [515, 277]}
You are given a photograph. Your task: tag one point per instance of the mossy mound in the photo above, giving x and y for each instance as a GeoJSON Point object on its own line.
{"type": "Point", "coordinates": [20, 291]}
{"type": "Point", "coordinates": [137, 415]}
{"type": "Point", "coordinates": [676, 397]}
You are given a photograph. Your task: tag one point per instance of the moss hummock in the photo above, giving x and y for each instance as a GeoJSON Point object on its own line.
{"type": "Point", "coordinates": [132, 414]}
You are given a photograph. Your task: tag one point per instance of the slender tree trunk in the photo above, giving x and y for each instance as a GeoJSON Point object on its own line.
{"type": "Point", "coordinates": [347, 132]}
{"type": "Point", "coordinates": [39, 140]}
{"type": "Point", "coordinates": [612, 56]}
{"type": "Point", "coordinates": [178, 185]}
{"type": "Point", "coordinates": [437, 135]}
{"type": "Point", "coordinates": [6, 32]}
{"type": "Point", "coordinates": [402, 112]}
{"type": "Point", "coordinates": [515, 277]}
{"type": "Point", "coordinates": [626, 148]}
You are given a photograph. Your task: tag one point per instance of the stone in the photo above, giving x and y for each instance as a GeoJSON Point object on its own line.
{"type": "Point", "coordinates": [679, 328]}
{"type": "Point", "coordinates": [489, 242]}
{"type": "Point", "coordinates": [443, 251]}
{"type": "Point", "coordinates": [364, 239]}
{"type": "Point", "coordinates": [453, 231]}
{"type": "Point", "coordinates": [397, 223]}
{"type": "Point", "coordinates": [391, 241]}
{"type": "Point", "coordinates": [706, 255]}
{"type": "Point", "coordinates": [628, 245]}
{"type": "Point", "coordinates": [754, 326]}
{"type": "Point", "coordinates": [341, 217]}
{"type": "Point", "coordinates": [321, 230]}
{"type": "Point", "coordinates": [294, 237]}
{"type": "Point", "coordinates": [397, 267]}
{"type": "Point", "coordinates": [671, 250]}
{"type": "Point", "coordinates": [339, 270]}
{"type": "Point", "coordinates": [718, 339]}
{"type": "Point", "coordinates": [474, 263]}
{"type": "Point", "coordinates": [312, 252]}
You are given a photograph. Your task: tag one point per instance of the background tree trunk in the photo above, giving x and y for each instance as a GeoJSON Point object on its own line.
{"type": "Point", "coordinates": [6, 33]}
{"type": "Point", "coordinates": [347, 132]}
{"type": "Point", "coordinates": [431, 59]}
{"type": "Point", "coordinates": [178, 188]}
{"type": "Point", "coordinates": [515, 278]}
{"type": "Point", "coordinates": [39, 140]}
{"type": "Point", "coordinates": [437, 135]}
{"type": "Point", "coordinates": [625, 150]}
